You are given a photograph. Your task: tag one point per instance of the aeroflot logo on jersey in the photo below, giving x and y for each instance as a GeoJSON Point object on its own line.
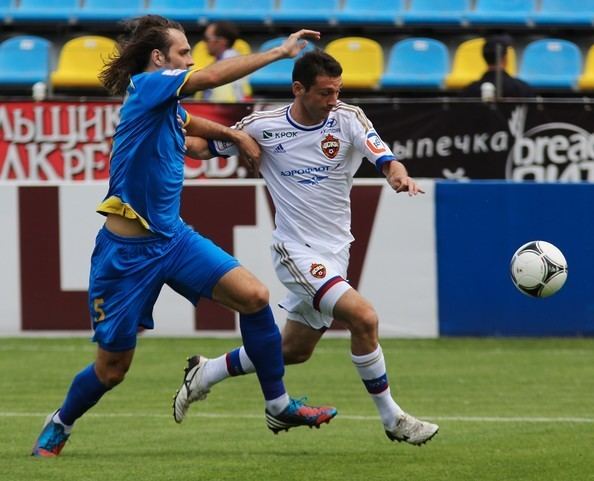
{"type": "Point", "coordinates": [307, 170]}
{"type": "Point", "coordinates": [285, 134]}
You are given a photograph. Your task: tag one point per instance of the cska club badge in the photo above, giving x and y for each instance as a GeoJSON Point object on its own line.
{"type": "Point", "coordinates": [318, 270]}
{"type": "Point", "coordinates": [330, 146]}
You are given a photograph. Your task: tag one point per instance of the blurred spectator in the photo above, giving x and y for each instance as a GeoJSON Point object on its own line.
{"type": "Point", "coordinates": [495, 55]}
{"type": "Point", "coordinates": [219, 38]}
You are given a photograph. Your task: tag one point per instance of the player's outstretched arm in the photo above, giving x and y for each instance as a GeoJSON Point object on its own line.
{"type": "Point", "coordinates": [231, 69]}
{"type": "Point", "coordinates": [197, 148]}
{"type": "Point", "coordinates": [207, 129]}
{"type": "Point", "coordinates": [398, 178]}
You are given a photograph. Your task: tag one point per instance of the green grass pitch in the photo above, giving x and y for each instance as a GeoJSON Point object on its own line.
{"type": "Point", "coordinates": [509, 410]}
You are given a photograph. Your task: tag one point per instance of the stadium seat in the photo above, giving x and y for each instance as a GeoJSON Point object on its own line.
{"type": "Point", "coordinates": [469, 65]}
{"type": "Point", "coordinates": [551, 63]}
{"type": "Point", "coordinates": [202, 58]}
{"type": "Point", "coordinates": [565, 12]}
{"type": "Point", "coordinates": [180, 10]}
{"type": "Point", "coordinates": [24, 60]}
{"type": "Point", "coordinates": [277, 74]}
{"type": "Point", "coordinates": [450, 12]}
{"type": "Point", "coordinates": [109, 10]}
{"type": "Point", "coordinates": [501, 12]}
{"type": "Point", "coordinates": [237, 11]}
{"type": "Point", "coordinates": [365, 12]}
{"type": "Point", "coordinates": [300, 11]}
{"type": "Point", "coordinates": [418, 63]}
{"type": "Point", "coordinates": [586, 80]}
{"type": "Point", "coordinates": [43, 11]}
{"type": "Point", "coordinates": [362, 61]}
{"type": "Point", "coordinates": [4, 6]}
{"type": "Point", "coordinates": [80, 61]}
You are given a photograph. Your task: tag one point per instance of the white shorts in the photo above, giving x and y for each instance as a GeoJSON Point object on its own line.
{"type": "Point", "coordinates": [315, 281]}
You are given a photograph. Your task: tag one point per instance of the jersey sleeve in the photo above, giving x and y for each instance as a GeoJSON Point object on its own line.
{"type": "Point", "coordinates": [368, 142]}
{"type": "Point", "coordinates": [224, 148]}
{"type": "Point", "coordinates": [161, 86]}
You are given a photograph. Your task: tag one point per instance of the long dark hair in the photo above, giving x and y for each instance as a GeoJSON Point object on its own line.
{"type": "Point", "coordinates": [142, 35]}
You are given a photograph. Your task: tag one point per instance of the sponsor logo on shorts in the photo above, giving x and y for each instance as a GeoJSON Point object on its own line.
{"type": "Point", "coordinates": [330, 146]}
{"type": "Point", "coordinates": [318, 270]}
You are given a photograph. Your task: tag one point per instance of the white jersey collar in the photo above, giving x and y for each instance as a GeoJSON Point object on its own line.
{"type": "Point", "coordinates": [297, 125]}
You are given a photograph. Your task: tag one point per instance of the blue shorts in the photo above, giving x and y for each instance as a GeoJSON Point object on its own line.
{"type": "Point", "coordinates": [127, 274]}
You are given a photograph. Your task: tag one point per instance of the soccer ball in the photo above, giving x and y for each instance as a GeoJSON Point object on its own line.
{"type": "Point", "coordinates": [538, 269]}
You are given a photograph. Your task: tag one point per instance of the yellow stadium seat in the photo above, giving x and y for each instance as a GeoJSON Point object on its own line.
{"type": "Point", "coordinates": [80, 61]}
{"type": "Point", "coordinates": [362, 61]}
{"type": "Point", "coordinates": [469, 65]}
{"type": "Point", "coordinates": [202, 58]}
{"type": "Point", "coordinates": [586, 80]}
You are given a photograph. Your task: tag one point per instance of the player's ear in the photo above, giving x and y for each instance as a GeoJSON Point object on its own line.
{"type": "Point", "coordinates": [157, 57]}
{"type": "Point", "coordinates": [298, 88]}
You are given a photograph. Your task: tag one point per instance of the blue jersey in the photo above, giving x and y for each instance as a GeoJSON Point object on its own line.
{"type": "Point", "coordinates": [147, 159]}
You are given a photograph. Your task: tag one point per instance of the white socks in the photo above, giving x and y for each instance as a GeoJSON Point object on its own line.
{"type": "Point", "coordinates": [237, 363]}
{"type": "Point", "coordinates": [217, 369]}
{"type": "Point", "coordinates": [278, 405]}
{"type": "Point", "coordinates": [372, 369]}
{"type": "Point", "coordinates": [56, 419]}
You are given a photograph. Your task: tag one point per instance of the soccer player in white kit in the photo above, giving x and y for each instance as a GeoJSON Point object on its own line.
{"type": "Point", "coordinates": [311, 150]}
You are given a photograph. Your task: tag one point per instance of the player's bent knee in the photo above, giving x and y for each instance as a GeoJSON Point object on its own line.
{"type": "Point", "coordinates": [364, 322]}
{"type": "Point", "coordinates": [255, 299]}
{"type": "Point", "coordinates": [293, 356]}
{"type": "Point", "coordinates": [112, 377]}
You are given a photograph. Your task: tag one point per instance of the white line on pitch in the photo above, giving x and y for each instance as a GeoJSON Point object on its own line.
{"type": "Point", "coordinates": [486, 419]}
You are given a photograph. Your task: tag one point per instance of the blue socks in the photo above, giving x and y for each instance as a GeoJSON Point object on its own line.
{"type": "Point", "coordinates": [84, 392]}
{"type": "Point", "coordinates": [262, 343]}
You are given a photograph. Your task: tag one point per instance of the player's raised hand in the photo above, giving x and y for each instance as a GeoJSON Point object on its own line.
{"type": "Point", "coordinates": [296, 42]}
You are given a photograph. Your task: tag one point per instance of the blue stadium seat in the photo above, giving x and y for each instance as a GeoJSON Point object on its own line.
{"type": "Point", "coordinates": [501, 12]}
{"type": "Point", "coordinates": [43, 11]}
{"type": "Point", "coordinates": [565, 12]}
{"type": "Point", "coordinates": [364, 12]}
{"type": "Point", "coordinates": [238, 11]}
{"type": "Point", "coordinates": [277, 74]}
{"type": "Point", "coordinates": [24, 60]}
{"type": "Point", "coordinates": [416, 62]}
{"type": "Point", "coordinates": [551, 63]}
{"type": "Point", "coordinates": [109, 10]}
{"type": "Point", "coordinates": [446, 12]}
{"type": "Point", "coordinates": [298, 11]}
{"type": "Point", "coordinates": [4, 6]}
{"type": "Point", "coordinates": [179, 10]}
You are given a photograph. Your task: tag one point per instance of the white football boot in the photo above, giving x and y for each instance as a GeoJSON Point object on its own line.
{"type": "Point", "coordinates": [412, 430]}
{"type": "Point", "coordinates": [192, 387]}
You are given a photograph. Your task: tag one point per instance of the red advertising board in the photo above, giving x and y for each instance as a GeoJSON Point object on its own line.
{"type": "Point", "coordinates": [71, 141]}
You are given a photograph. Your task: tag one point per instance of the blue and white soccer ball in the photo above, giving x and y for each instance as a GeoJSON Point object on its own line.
{"type": "Point", "coordinates": [538, 269]}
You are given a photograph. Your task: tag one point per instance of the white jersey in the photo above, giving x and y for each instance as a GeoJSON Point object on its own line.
{"type": "Point", "coordinates": [309, 171]}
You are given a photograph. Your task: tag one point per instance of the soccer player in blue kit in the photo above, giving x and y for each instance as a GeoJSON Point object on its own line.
{"type": "Point", "coordinates": [144, 243]}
